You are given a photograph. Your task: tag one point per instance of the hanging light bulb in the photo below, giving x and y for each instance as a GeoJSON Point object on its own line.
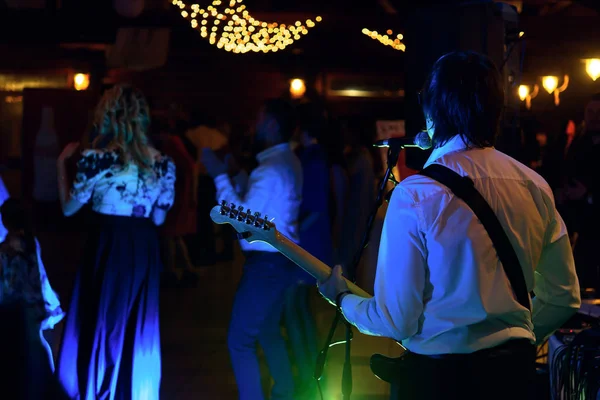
{"type": "Point", "coordinates": [523, 92]}
{"type": "Point", "coordinates": [550, 83]}
{"type": "Point", "coordinates": [81, 81]}
{"type": "Point", "coordinates": [592, 67]}
{"type": "Point", "coordinates": [297, 88]}
{"type": "Point", "coordinates": [526, 94]}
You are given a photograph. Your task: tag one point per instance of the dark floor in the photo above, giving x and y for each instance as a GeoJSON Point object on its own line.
{"type": "Point", "coordinates": [194, 325]}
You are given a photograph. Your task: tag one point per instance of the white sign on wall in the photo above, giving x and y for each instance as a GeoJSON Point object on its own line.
{"type": "Point", "coordinates": [388, 129]}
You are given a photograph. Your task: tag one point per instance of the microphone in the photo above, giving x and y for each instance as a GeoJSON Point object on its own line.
{"type": "Point", "coordinates": [421, 141]}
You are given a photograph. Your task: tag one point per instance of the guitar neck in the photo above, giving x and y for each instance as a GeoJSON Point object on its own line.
{"type": "Point", "coordinates": [309, 263]}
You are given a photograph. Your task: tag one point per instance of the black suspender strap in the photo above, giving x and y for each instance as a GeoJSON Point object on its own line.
{"type": "Point", "coordinates": [463, 188]}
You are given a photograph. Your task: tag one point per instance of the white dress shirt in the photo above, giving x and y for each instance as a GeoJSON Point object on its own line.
{"type": "Point", "coordinates": [440, 287]}
{"type": "Point", "coordinates": [273, 188]}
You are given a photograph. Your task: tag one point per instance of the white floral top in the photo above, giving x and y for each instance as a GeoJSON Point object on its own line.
{"type": "Point", "coordinates": [123, 189]}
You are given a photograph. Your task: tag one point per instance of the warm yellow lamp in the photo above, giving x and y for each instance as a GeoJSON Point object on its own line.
{"type": "Point", "coordinates": [81, 81]}
{"type": "Point", "coordinates": [525, 94]}
{"type": "Point", "coordinates": [550, 83]}
{"type": "Point", "coordinates": [297, 88]}
{"type": "Point", "coordinates": [592, 67]}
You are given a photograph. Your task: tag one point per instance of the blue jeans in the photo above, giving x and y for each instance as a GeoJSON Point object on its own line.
{"type": "Point", "coordinates": [255, 318]}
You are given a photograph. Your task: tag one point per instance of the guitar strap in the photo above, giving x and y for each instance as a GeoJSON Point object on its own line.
{"type": "Point", "coordinates": [463, 188]}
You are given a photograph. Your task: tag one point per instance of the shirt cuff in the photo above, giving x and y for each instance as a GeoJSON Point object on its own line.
{"type": "Point", "coordinates": [221, 180]}
{"type": "Point", "coordinates": [349, 304]}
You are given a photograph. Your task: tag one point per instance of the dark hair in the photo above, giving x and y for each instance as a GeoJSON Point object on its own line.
{"type": "Point", "coordinates": [463, 95]}
{"type": "Point", "coordinates": [16, 218]}
{"type": "Point", "coordinates": [283, 112]}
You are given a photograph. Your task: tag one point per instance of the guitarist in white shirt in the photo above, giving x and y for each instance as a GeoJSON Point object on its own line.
{"type": "Point", "coordinates": [440, 287]}
{"type": "Point", "coordinates": [275, 185]}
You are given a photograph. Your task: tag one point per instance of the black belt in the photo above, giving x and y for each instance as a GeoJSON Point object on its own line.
{"type": "Point", "coordinates": [508, 348]}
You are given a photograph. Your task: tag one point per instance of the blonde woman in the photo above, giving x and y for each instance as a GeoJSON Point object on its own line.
{"type": "Point", "coordinates": [111, 343]}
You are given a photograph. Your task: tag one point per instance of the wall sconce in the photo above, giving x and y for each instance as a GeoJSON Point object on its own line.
{"type": "Point", "coordinates": [592, 67]}
{"type": "Point", "coordinates": [550, 83]}
{"type": "Point", "coordinates": [297, 88]}
{"type": "Point", "coordinates": [81, 81]}
{"type": "Point", "coordinates": [526, 95]}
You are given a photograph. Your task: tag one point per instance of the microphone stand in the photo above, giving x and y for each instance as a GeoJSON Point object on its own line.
{"type": "Point", "coordinates": [392, 159]}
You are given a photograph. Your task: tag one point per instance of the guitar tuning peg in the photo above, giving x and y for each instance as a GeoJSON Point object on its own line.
{"type": "Point", "coordinates": [257, 214]}
{"type": "Point", "coordinates": [232, 212]}
{"type": "Point", "coordinates": [240, 208]}
{"type": "Point", "coordinates": [266, 224]}
{"type": "Point", "coordinates": [223, 203]}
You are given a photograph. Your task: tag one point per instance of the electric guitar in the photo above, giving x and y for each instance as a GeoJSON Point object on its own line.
{"type": "Point", "coordinates": [253, 228]}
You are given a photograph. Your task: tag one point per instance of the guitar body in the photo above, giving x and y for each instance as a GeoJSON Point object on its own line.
{"type": "Point", "coordinates": [388, 369]}
{"type": "Point", "coordinates": [253, 228]}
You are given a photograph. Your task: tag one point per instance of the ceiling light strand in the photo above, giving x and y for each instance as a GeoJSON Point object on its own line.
{"type": "Point", "coordinates": [228, 25]}
{"type": "Point", "coordinates": [387, 39]}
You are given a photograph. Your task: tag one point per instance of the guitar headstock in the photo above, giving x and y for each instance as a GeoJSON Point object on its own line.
{"type": "Point", "coordinates": [250, 226]}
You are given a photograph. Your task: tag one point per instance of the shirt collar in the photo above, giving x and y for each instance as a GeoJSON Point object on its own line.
{"type": "Point", "coordinates": [455, 144]}
{"type": "Point", "coordinates": [272, 151]}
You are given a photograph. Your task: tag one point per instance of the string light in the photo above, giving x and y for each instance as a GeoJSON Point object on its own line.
{"type": "Point", "coordinates": [387, 39]}
{"type": "Point", "coordinates": [234, 29]}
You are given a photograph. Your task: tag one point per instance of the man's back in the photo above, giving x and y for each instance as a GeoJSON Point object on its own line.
{"type": "Point", "coordinates": [469, 304]}
{"type": "Point", "coordinates": [440, 287]}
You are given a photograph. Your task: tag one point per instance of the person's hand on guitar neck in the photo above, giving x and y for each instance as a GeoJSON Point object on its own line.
{"type": "Point", "coordinates": [334, 288]}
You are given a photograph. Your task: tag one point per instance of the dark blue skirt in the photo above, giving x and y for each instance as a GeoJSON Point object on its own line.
{"type": "Point", "coordinates": [111, 341]}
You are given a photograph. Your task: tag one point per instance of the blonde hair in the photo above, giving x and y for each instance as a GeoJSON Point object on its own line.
{"type": "Point", "coordinates": [124, 114]}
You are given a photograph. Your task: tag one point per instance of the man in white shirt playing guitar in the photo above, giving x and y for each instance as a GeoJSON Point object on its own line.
{"type": "Point", "coordinates": [440, 287]}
